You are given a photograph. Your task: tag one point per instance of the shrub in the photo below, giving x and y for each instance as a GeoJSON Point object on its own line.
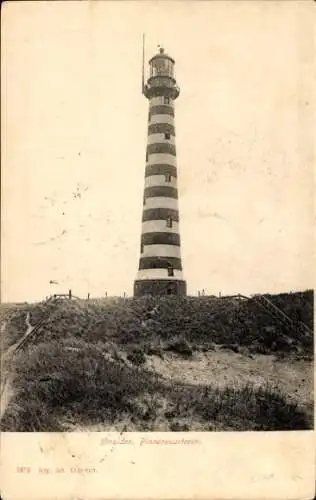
{"type": "Point", "coordinates": [153, 349]}
{"type": "Point", "coordinates": [136, 356]}
{"type": "Point", "coordinates": [246, 408]}
{"type": "Point", "coordinates": [180, 346]}
{"type": "Point", "coordinates": [179, 427]}
{"type": "Point", "coordinates": [230, 347]}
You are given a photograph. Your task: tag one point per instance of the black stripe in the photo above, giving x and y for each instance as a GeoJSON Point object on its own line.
{"type": "Point", "coordinates": [159, 91]}
{"type": "Point", "coordinates": [161, 147]}
{"type": "Point", "coordinates": [160, 214]}
{"type": "Point", "coordinates": [166, 191]}
{"type": "Point", "coordinates": [161, 128]}
{"type": "Point", "coordinates": [160, 263]}
{"type": "Point", "coordinates": [160, 287]}
{"type": "Point", "coordinates": [160, 239]}
{"type": "Point", "coordinates": [160, 169]}
{"type": "Point", "coordinates": [161, 110]}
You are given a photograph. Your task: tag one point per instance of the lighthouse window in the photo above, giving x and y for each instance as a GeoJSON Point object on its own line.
{"type": "Point", "coordinates": [170, 271]}
{"type": "Point", "coordinates": [146, 156]}
{"type": "Point", "coordinates": [168, 177]}
{"type": "Point", "coordinates": [166, 100]}
{"type": "Point", "coordinates": [167, 136]}
{"type": "Point", "coordinates": [169, 222]}
{"type": "Point", "coordinates": [141, 247]}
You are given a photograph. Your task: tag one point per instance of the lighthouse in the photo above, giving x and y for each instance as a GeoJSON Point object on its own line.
{"type": "Point", "coordinates": [160, 265]}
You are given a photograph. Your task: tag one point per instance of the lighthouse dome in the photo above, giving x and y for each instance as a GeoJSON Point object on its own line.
{"type": "Point", "coordinates": [161, 55]}
{"type": "Point", "coordinates": [161, 79]}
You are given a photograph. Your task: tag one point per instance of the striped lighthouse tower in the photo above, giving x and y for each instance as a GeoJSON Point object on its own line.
{"type": "Point", "coordinates": [160, 267]}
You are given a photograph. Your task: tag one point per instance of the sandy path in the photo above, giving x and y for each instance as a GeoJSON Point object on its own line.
{"type": "Point", "coordinates": [224, 368]}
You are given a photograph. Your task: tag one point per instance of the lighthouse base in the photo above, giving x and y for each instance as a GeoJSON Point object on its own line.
{"type": "Point", "coordinates": [159, 287]}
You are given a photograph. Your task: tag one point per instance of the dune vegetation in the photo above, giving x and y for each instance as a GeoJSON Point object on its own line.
{"type": "Point", "coordinates": [168, 364]}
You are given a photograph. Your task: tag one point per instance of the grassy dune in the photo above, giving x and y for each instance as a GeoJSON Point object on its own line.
{"type": "Point", "coordinates": [158, 364]}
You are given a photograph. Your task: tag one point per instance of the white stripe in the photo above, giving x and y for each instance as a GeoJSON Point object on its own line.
{"type": "Point", "coordinates": [159, 226]}
{"type": "Point", "coordinates": [147, 274]}
{"type": "Point", "coordinates": [160, 101]}
{"type": "Point", "coordinates": [160, 138]}
{"type": "Point", "coordinates": [161, 251]}
{"type": "Point", "coordinates": [161, 202]}
{"type": "Point", "coordinates": [162, 158]}
{"type": "Point", "coordinates": [160, 180]}
{"type": "Point", "coordinates": [162, 119]}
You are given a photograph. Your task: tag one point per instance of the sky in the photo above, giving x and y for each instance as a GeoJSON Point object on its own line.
{"type": "Point", "coordinates": [74, 132]}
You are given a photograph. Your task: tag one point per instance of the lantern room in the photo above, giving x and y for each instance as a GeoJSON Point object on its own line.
{"type": "Point", "coordinates": [161, 79]}
{"type": "Point", "coordinates": [161, 65]}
